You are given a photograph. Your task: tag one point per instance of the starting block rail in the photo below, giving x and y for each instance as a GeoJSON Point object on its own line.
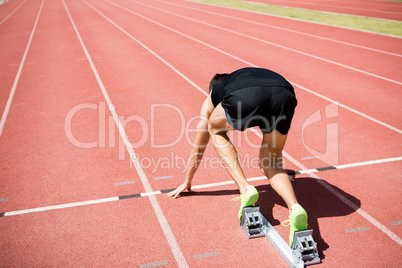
{"type": "Point", "coordinates": [304, 251]}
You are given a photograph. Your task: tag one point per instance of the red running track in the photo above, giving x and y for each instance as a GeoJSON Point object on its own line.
{"type": "Point", "coordinates": [63, 157]}
{"type": "Point", "coordinates": [390, 10]}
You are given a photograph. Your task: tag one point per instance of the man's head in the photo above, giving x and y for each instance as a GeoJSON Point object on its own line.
{"type": "Point", "coordinates": [216, 80]}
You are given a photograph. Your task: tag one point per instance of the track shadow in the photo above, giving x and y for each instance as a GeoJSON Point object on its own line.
{"type": "Point", "coordinates": [202, 192]}
{"type": "Point", "coordinates": [317, 200]}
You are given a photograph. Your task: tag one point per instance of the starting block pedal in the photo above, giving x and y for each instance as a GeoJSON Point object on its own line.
{"type": "Point", "coordinates": [304, 250]}
{"type": "Point", "coordinates": [251, 222]}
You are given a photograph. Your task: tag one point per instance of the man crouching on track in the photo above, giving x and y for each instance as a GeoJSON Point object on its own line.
{"type": "Point", "coordinates": [247, 98]}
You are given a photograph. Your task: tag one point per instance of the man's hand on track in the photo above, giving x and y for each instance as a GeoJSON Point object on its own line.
{"type": "Point", "coordinates": [176, 193]}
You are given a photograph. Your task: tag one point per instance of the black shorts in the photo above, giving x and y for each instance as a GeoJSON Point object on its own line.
{"type": "Point", "coordinates": [268, 107]}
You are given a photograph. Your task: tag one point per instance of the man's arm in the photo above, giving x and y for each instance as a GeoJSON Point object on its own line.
{"type": "Point", "coordinates": [197, 152]}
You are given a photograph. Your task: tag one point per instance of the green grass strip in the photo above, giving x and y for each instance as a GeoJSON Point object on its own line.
{"type": "Point", "coordinates": [375, 25]}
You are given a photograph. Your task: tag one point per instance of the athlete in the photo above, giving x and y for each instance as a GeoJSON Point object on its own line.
{"type": "Point", "coordinates": [246, 98]}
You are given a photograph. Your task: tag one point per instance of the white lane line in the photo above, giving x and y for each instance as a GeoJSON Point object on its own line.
{"type": "Point", "coordinates": [215, 184]}
{"type": "Point", "coordinates": [150, 193]}
{"type": "Point", "coordinates": [241, 60]}
{"type": "Point", "coordinates": [17, 77]}
{"type": "Point", "coordinates": [367, 163]}
{"type": "Point", "coordinates": [164, 177]}
{"type": "Point", "coordinates": [308, 171]}
{"type": "Point", "coordinates": [195, 187]}
{"type": "Point", "coordinates": [154, 264]}
{"type": "Point", "coordinates": [285, 29]}
{"type": "Point", "coordinates": [124, 183]}
{"type": "Point", "coordinates": [145, 47]}
{"type": "Point", "coordinates": [395, 223]}
{"type": "Point", "coordinates": [357, 229]}
{"type": "Point", "coordinates": [62, 206]}
{"type": "Point", "coordinates": [9, 15]}
{"type": "Point", "coordinates": [319, 180]}
{"type": "Point", "coordinates": [273, 44]}
{"type": "Point", "coordinates": [309, 157]}
{"type": "Point", "coordinates": [206, 255]}
{"type": "Point", "coordinates": [181, 261]}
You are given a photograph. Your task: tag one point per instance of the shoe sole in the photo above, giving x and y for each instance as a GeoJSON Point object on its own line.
{"type": "Point", "coordinates": [251, 201]}
{"type": "Point", "coordinates": [299, 224]}
{"type": "Point", "coordinates": [301, 220]}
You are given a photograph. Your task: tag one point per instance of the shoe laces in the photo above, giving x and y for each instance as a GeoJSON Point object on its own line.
{"type": "Point", "coordinates": [286, 222]}
{"type": "Point", "coordinates": [237, 198]}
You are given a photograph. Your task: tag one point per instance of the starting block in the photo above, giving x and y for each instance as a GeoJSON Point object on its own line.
{"type": "Point", "coordinates": [304, 250]}
{"type": "Point", "coordinates": [252, 223]}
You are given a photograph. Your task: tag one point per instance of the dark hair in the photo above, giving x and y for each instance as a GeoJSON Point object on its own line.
{"type": "Point", "coordinates": [216, 80]}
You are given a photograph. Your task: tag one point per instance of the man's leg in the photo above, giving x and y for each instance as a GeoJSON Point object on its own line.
{"type": "Point", "coordinates": [271, 165]}
{"type": "Point", "coordinates": [218, 128]}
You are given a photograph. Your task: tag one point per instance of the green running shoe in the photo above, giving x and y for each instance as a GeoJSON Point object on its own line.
{"type": "Point", "coordinates": [248, 198]}
{"type": "Point", "coordinates": [297, 221]}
